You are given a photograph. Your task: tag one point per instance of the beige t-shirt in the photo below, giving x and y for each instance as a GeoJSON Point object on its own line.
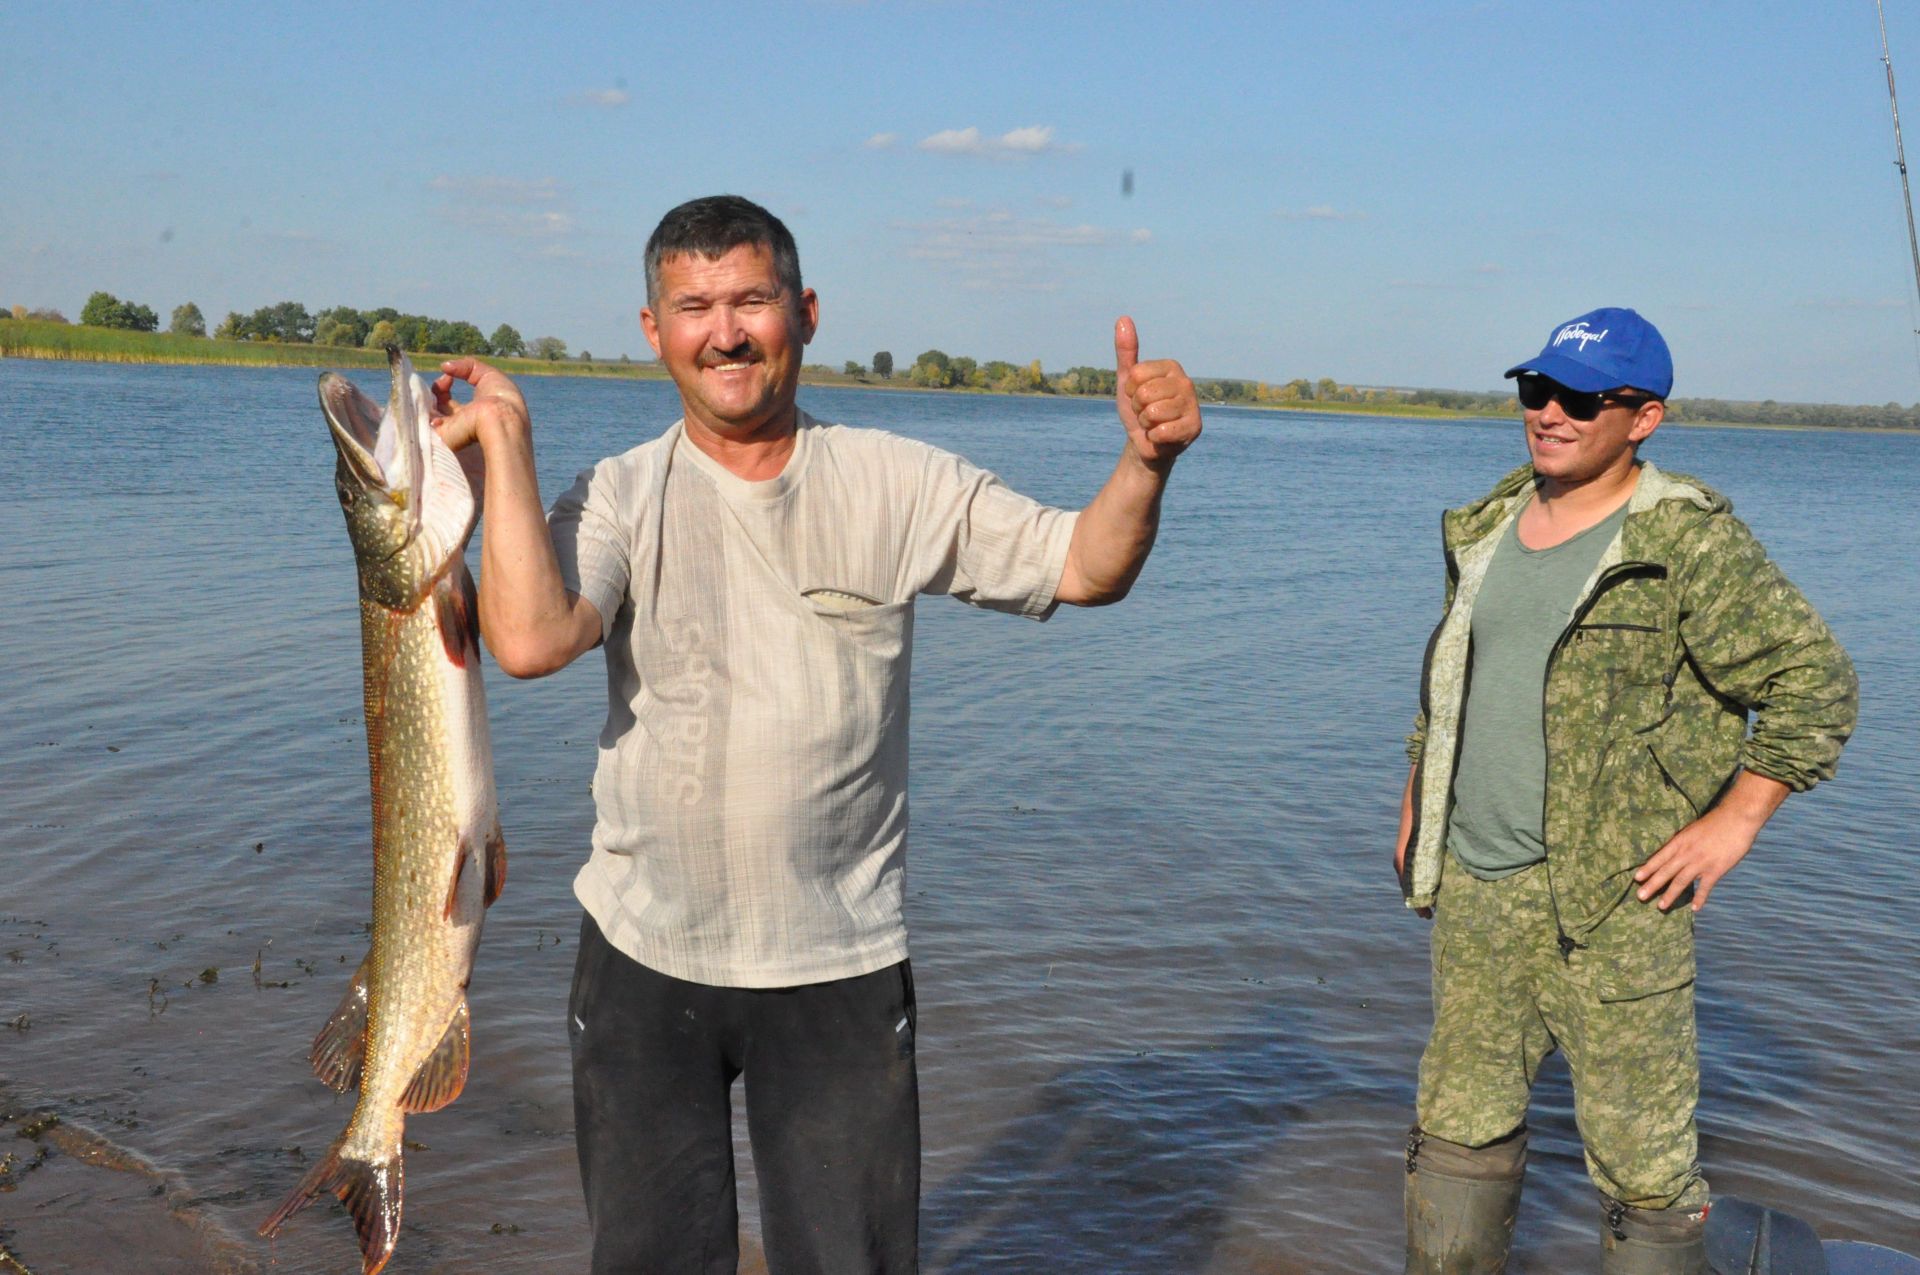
{"type": "Point", "coordinates": [751, 792]}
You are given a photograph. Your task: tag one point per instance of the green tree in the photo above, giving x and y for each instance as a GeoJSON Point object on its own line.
{"type": "Point", "coordinates": [961, 370]}
{"type": "Point", "coordinates": [412, 331]}
{"type": "Point", "coordinates": [104, 310]}
{"type": "Point", "coordinates": [853, 369]}
{"type": "Point", "coordinates": [1089, 380]}
{"type": "Point", "coordinates": [586, 356]}
{"type": "Point", "coordinates": [342, 325]}
{"type": "Point", "coordinates": [381, 335]}
{"type": "Point", "coordinates": [100, 311]}
{"type": "Point", "coordinates": [187, 321]}
{"type": "Point", "coordinates": [933, 369]}
{"type": "Point", "coordinates": [550, 348]}
{"type": "Point", "coordinates": [232, 328]}
{"type": "Point", "coordinates": [883, 365]}
{"type": "Point", "coordinates": [288, 322]}
{"type": "Point", "coordinates": [505, 343]}
{"type": "Point", "coordinates": [457, 337]}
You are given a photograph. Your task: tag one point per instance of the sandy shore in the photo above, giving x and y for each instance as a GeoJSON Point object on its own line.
{"type": "Point", "coordinates": [72, 1201]}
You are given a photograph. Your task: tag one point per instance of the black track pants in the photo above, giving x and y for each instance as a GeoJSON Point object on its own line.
{"type": "Point", "coordinates": [833, 1115]}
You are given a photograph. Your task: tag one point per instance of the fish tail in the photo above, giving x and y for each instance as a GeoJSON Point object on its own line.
{"type": "Point", "coordinates": [371, 1193]}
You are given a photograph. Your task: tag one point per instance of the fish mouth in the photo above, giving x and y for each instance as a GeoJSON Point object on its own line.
{"type": "Point", "coordinates": [380, 448]}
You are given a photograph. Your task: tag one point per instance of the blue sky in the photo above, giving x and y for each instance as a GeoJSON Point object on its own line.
{"type": "Point", "coordinates": [1385, 193]}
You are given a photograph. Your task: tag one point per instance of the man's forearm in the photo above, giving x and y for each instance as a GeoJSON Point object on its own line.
{"type": "Point", "coordinates": [526, 612]}
{"type": "Point", "coordinates": [1114, 534]}
{"type": "Point", "coordinates": [1751, 799]}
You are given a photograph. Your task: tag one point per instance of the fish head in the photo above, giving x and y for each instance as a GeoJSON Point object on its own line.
{"type": "Point", "coordinates": [408, 505]}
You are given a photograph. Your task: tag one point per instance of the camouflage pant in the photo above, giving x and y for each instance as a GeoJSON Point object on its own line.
{"type": "Point", "coordinates": [1621, 1008]}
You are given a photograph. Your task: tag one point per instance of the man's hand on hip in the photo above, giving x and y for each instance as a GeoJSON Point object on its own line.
{"type": "Point", "coordinates": [1705, 850]}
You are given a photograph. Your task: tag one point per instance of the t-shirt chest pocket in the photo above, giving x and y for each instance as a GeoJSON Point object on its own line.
{"type": "Point", "coordinates": [873, 627]}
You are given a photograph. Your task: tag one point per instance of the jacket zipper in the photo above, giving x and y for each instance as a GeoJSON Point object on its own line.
{"type": "Point", "coordinates": [1619, 570]}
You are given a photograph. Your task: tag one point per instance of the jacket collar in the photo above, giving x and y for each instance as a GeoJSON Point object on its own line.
{"type": "Point", "coordinates": [1642, 537]}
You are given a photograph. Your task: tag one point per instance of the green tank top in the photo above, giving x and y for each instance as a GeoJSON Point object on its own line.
{"type": "Point", "coordinates": [1499, 788]}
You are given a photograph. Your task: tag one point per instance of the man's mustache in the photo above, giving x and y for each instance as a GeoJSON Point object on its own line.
{"type": "Point", "coordinates": [745, 352]}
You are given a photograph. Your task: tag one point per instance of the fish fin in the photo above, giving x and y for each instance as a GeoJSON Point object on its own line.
{"type": "Point", "coordinates": [340, 1048]}
{"type": "Point", "coordinates": [456, 615]}
{"type": "Point", "coordinates": [444, 1074]}
{"type": "Point", "coordinates": [496, 864]}
{"type": "Point", "coordinates": [459, 874]}
{"type": "Point", "coordinates": [371, 1192]}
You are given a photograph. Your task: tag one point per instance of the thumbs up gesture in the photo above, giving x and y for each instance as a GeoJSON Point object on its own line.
{"type": "Point", "coordinates": [1156, 401]}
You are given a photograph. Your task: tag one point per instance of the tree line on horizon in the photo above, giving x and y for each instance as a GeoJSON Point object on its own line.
{"type": "Point", "coordinates": [290, 322]}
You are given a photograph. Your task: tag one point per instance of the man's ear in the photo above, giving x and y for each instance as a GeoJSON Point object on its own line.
{"type": "Point", "coordinates": [1646, 420]}
{"type": "Point", "coordinates": [809, 315]}
{"type": "Point", "coordinates": [651, 327]}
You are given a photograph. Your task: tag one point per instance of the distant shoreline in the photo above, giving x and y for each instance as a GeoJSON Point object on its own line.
{"type": "Point", "coordinates": [74, 343]}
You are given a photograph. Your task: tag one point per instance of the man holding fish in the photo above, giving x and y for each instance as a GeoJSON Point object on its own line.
{"type": "Point", "coordinates": [751, 573]}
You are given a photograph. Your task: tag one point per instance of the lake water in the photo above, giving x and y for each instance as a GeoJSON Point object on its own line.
{"type": "Point", "coordinates": [1171, 1005]}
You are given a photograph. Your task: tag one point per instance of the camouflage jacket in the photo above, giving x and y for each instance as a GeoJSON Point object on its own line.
{"type": "Point", "coordinates": [1684, 628]}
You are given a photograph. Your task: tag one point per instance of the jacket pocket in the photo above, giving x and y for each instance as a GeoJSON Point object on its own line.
{"type": "Point", "coordinates": [1632, 972]}
{"type": "Point", "coordinates": [1672, 783]}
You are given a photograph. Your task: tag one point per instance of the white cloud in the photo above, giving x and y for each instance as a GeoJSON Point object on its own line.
{"type": "Point", "coordinates": [605, 99]}
{"type": "Point", "coordinates": [1320, 212]}
{"type": "Point", "coordinates": [509, 207]}
{"type": "Point", "coordinates": [1034, 139]}
{"type": "Point", "coordinates": [1000, 251]}
{"type": "Point", "coordinates": [1140, 235]}
{"type": "Point", "coordinates": [307, 240]}
{"type": "Point", "coordinates": [881, 141]}
{"type": "Point", "coordinates": [1845, 304]}
{"type": "Point", "coordinates": [955, 141]}
{"type": "Point", "coordinates": [1030, 140]}
{"type": "Point", "coordinates": [507, 190]}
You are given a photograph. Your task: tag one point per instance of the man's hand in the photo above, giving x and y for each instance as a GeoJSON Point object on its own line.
{"type": "Point", "coordinates": [496, 411]}
{"type": "Point", "coordinates": [1401, 843]}
{"type": "Point", "coordinates": [1156, 400]}
{"type": "Point", "coordinates": [1705, 850]}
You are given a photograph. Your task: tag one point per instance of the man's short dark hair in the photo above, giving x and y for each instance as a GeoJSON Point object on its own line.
{"type": "Point", "coordinates": [714, 226]}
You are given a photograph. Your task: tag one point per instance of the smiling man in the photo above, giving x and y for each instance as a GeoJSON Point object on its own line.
{"type": "Point", "coordinates": [752, 574]}
{"type": "Point", "coordinates": [1582, 765]}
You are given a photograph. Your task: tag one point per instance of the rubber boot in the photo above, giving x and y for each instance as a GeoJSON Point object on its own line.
{"type": "Point", "coordinates": [1652, 1241]}
{"type": "Point", "coordinates": [1461, 1203]}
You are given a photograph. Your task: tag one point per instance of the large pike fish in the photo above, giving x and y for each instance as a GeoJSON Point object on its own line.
{"type": "Point", "coordinates": [400, 1034]}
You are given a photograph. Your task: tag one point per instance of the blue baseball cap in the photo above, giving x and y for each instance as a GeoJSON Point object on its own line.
{"type": "Point", "coordinates": [1605, 349]}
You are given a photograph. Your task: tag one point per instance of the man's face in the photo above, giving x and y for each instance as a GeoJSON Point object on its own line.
{"type": "Point", "coordinates": [1567, 450]}
{"type": "Point", "coordinates": [731, 339]}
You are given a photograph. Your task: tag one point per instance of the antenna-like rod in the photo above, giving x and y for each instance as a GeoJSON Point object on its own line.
{"type": "Point", "coordinates": [1899, 149]}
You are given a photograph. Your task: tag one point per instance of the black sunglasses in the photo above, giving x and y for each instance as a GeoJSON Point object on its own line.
{"type": "Point", "coordinates": [1537, 391]}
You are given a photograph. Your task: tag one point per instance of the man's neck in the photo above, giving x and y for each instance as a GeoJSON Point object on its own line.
{"type": "Point", "coordinates": [1560, 511]}
{"type": "Point", "coordinates": [754, 457]}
